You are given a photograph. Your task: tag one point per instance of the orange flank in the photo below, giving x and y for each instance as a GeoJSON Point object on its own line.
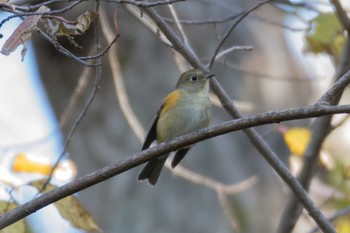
{"type": "Point", "coordinates": [170, 101]}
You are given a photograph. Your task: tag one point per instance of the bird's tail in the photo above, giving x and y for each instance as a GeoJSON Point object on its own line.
{"type": "Point", "coordinates": [152, 170]}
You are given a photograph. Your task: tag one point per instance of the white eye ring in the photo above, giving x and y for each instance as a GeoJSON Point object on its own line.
{"type": "Point", "coordinates": [194, 78]}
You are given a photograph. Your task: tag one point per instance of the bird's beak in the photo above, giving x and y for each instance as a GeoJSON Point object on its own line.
{"type": "Point", "coordinates": [208, 76]}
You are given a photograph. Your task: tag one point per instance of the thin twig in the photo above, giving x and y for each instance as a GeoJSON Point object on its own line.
{"type": "Point", "coordinates": [178, 25]}
{"type": "Point", "coordinates": [104, 51]}
{"type": "Point", "coordinates": [205, 21]}
{"type": "Point", "coordinates": [145, 4]}
{"type": "Point", "coordinates": [234, 25]}
{"type": "Point", "coordinates": [336, 89]}
{"type": "Point", "coordinates": [64, 51]}
{"type": "Point", "coordinates": [214, 184]}
{"type": "Point", "coordinates": [121, 94]}
{"type": "Point", "coordinates": [147, 22]}
{"type": "Point", "coordinates": [73, 100]}
{"type": "Point", "coordinates": [232, 17]}
{"type": "Point", "coordinates": [232, 49]}
{"type": "Point", "coordinates": [225, 205]}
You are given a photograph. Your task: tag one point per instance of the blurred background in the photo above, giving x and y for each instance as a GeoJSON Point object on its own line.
{"type": "Point", "coordinates": [275, 72]}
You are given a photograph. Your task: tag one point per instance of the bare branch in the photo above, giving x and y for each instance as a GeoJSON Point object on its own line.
{"type": "Point", "coordinates": [342, 15]}
{"type": "Point", "coordinates": [72, 103]}
{"type": "Point", "coordinates": [121, 94]}
{"type": "Point", "coordinates": [336, 89]}
{"type": "Point", "coordinates": [213, 184]}
{"type": "Point", "coordinates": [64, 51]}
{"type": "Point", "coordinates": [104, 51]}
{"type": "Point", "coordinates": [174, 144]}
{"type": "Point", "coordinates": [232, 49]}
{"type": "Point", "coordinates": [145, 4]}
{"type": "Point", "coordinates": [228, 33]}
{"type": "Point", "coordinates": [222, 197]}
{"type": "Point", "coordinates": [232, 17]}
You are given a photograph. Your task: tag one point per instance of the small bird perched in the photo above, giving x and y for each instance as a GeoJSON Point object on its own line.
{"type": "Point", "coordinates": [186, 109]}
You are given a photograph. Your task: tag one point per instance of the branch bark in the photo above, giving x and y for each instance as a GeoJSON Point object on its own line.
{"type": "Point", "coordinates": [138, 158]}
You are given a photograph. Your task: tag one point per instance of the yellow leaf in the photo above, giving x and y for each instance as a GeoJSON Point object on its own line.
{"type": "Point", "coordinates": [23, 163]}
{"type": "Point", "coordinates": [297, 140]}
{"type": "Point", "coordinates": [342, 225]}
{"type": "Point", "coordinates": [71, 210]}
{"type": "Point", "coordinates": [18, 227]}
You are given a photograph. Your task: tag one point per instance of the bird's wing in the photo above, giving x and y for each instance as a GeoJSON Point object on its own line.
{"type": "Point", "coordinates": [169, 102]}
{"type": "Point", "coordinates": [180, 154]}
{"type": "Point", "coordinates": [151, 134]}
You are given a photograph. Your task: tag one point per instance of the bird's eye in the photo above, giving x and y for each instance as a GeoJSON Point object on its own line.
{"type": "Point", "coordinates": [194, 78]}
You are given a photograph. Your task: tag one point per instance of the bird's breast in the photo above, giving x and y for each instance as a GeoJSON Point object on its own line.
{"type": "Point", "coordinates": [182, 114]}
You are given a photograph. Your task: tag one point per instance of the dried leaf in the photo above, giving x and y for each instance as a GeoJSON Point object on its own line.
{"type": "Point", "coordinates": [71, 210]}
{"type": "Point", "coordinates": [17, 227]}
{"type": "Point", "coordinates": [23, 33]}
{"type": "Point", "coordinates": [59, 26]}
{"type": "Point", "coordinates": [62, 27]}
{"type": "Point", "coordinates": [83, 21]}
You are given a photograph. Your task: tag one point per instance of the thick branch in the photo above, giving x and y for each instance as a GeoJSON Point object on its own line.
{"type": "Point", "coordinates": [188, 139]}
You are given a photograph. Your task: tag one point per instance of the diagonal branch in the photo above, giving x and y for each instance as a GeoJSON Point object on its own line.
{"type": "Point", "coordinates": [335, 216]}
{"type": "Point", "coordinates": [138, 158]}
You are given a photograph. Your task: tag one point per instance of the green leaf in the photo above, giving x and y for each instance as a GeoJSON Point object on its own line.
{"type": "Point", "coordinates": [326, 34]}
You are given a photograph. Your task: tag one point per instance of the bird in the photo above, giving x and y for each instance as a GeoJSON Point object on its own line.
{"type": "Point", "coordinates": [184, 110]}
